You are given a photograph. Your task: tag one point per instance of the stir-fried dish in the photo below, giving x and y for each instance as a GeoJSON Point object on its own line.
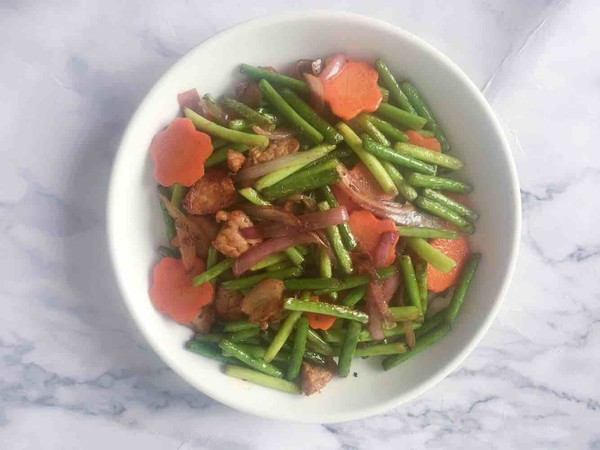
{"type": "Point", "coordinates": [312, 218]}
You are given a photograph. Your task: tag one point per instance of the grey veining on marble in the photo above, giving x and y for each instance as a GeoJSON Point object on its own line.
{"type": "Point", "coordinates": [75, 373]}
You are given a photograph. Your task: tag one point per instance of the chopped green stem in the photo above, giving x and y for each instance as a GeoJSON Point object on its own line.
{"type": "Point", "coordinates": [318, 344]}
{"type": "Point", "coordinates": [368, 159]}
{"type": "Point", "coordinates": [431, 254]}
{"type": "Point", "coordinates": [425, 341]}
{"type": "Point", "coordinates": [305, 158]}
{"type": "Point", "coordinates": [427, 233]}
{"type": "Point", "coordinates": [225, 133]}
{"type": "Point", "coordinates": [401, 117]}
{"type": "Point", "coordinates": [347, 236]}
{"type": "Point", "coordinates": [410, 281]}
{"type": "Point", "coordinates": [358, 280]}
{"type": "Point", "coordinates": [428, 155]}
{"type": "Point", "coordinates": [211, 257]}
{"type": "Point", "coordinates": [298, 349]}
{"type": "Point", "coordinates": [167, 219]}
{"type": "Point", "coordinates": [231, 349]}
{"type": "Point", "coordinates": [355, 296]}
{"type": "Point", "coordinates": [335, 238]}
{"type": "Point", "coordinates": [220, 156]}
{"type": "Point", "coordinates": [451, 204]}
{"type": "Point", "coordinates": [210, 337]}
{"type": "Point", "coordinates": [348, 349]}
{"type": "Point", "coordinates": [314, 357]}
{"type": "Point", "coordinates": [441, 183]}
{"type": "Point", "coordinates": [406, 190]}
{"type": "Point", "coordinates": [282, 335]}
{"type": "Point", "coordinates": [385, 94]}
{"type": "Point", "coordinates": [213, 272]}
{"type": "Point", "coordinates": [398, 330]}
{"type": "Point", "coordinates": [288, 112]}
{"type": "Point", "coordinates": [244, 335]}
{"type": "Point", "coordinates": [405, 313]}
{"type": "Point", "coordinates": [423, 110]}
{"type": "Point", "coordinates": [462, 287]}
{"type": "Point", "coordinates": [371, 130]}
{"type": "Point", "coordinates": [269, 261]}
{"type": "Point", "coordinates": [431, 323]}
{"type": "Point", "coordinates": [421, 274]}
{"type": "Point", "coordinates": [396, 94]}
{"type": "Point", "coordinates": [298, 284]}
{"type": "Point", "coordinates": [391, 155]}
{"type": "Point", "coordinates": [279, 266]}
{"type": "Point", "coordinates": [249, 281]}
{"type": "Point", "coordinates": [179, 192]}
{"type": "Point", "coordinates": [208, 350]}
{"type": "Point", "coordinates": [248, 113]}
{"type": "Point", "coordinates": [328, 309]}
{"type": "Point", "coordinates": [381, 350]}
{"type": "Point", "coordinates": [310, 115]}
{"type": "Point", "coordinates": [278, 79]}
{"type": "Point", "coordinates": [239, 325]}
{"type": "Point", "coordinates": [441, 211]}
{"type": "Point", "coordinates": [305, 180]}
{"type": "Point", "coordinates": [389, 131]}
{"type": "Point", "coordinates": [239, 125]}
{"type": "Point", "coordinates": [260, 378]}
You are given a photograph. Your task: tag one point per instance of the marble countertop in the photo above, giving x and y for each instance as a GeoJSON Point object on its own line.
{"type": "Point", "coordinates": [75, 373]}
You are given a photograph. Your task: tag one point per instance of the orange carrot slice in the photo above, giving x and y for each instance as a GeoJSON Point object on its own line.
{"type": "Point", "coordinates": [458, 250]}
{"type": "Point", "coordinates": [352, 90]}
{"type": "Point", "coordinates": [362, 177]}
{"type": "Point", "coordinates": [415, 138]}
{"type": "Point", "coordinates": [319, 321]}
{"type": "Point", "coordinates": [179, 152]}
{"type": "Point", "coordinates": [172, 291]}
{"type": "Point", "coordinates": [367, 230]}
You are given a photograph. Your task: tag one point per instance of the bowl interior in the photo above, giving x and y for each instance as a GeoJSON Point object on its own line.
{"type": "Point", "coordinates": [136, 229]}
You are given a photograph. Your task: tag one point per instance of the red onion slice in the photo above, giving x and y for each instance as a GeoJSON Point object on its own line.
{"type": "Point", "coordinates": [386, 240]}
{"type": "Point", "coordinates": [213, 111]}
{"type": "Point", "coordinates": [403, 214]}
{"type": "Point", "coordinates": [258, 170]}
{"type": "Point", "coordinates": [307, 222]}
{"type": "Point", "coordinates": [269, 247]}
{"type": "Point", "coordinates": [277, 134]}
{"type": "Point", "coordinates": [267, 212]}
{"type": "Point", "coordinates": [333, 66]}
{"type": "Point", "coordinates": [316, 89]}
{"type": "Point", "coordinates": [189, 99]}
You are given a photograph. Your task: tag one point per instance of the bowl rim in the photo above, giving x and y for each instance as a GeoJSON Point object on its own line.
{"type": "Point", "coordinates": [394, 401]}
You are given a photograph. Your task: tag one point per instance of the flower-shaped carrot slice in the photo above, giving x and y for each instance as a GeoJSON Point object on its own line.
{"type": "Point", "coordinates": [179, 152]}
{"type": "Point", "coordinates": [319, 321]}
{"type": "Point", "coordinates": [415, 138]}
{"type": "Point", "coordinates": [352, 90]}
{"type": "Point", "coordinates": [458, 250]}
{"type": "Point", "coordinates": [173, 293]}
{"type": "Point", "coordinates": [368, 230]}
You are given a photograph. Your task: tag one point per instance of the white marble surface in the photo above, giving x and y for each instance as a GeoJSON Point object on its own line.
{"type": "Point", "coordinates": [74, 373]}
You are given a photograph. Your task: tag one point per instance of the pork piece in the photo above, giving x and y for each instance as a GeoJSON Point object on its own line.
{"type": "Point", "coordinates": [228, 304]}
{"type": "Point", "coordinates": [230, 241]}
{"type": "Point", "coordinates": [197, 232]}
{"type": "Point", "coordinates": [313, 378]}
{"type": "Point", "coordinates": [235, 160]}
{"type": "Point", "coordinates": [280, 147]}
{"type": "Point", "coordinates": [204, 320]}
{"type": "Point", "coordinates": [212, 192]}
{"type": "Point", "coordinates": [264, 301]}
{"type": "Point", "coordinates": [248, 92]}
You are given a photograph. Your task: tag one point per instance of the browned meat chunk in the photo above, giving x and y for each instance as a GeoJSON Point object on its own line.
{"type": "Point", "coordinates": [235, 160]}
{"type": "Point", "coordinates": [314, 378]}
{"type": "Point", "coordinates": [264, 301]}
{"type": "Point", "coordinates": [229, 241]}
{"type": "Point", "coordinates": [228, 304]}
{"type": "Point", "coordinates": [249, 93]}
{"type": "Point", "coordinates": [275, 149]}
{"type": "Point", "coordinates": [212, 192]}
{"type": "Point", "coordinates": [203, 321]}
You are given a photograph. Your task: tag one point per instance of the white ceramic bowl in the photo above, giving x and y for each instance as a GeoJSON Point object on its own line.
{"type": "Point", "coordinates": [135, 227]}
